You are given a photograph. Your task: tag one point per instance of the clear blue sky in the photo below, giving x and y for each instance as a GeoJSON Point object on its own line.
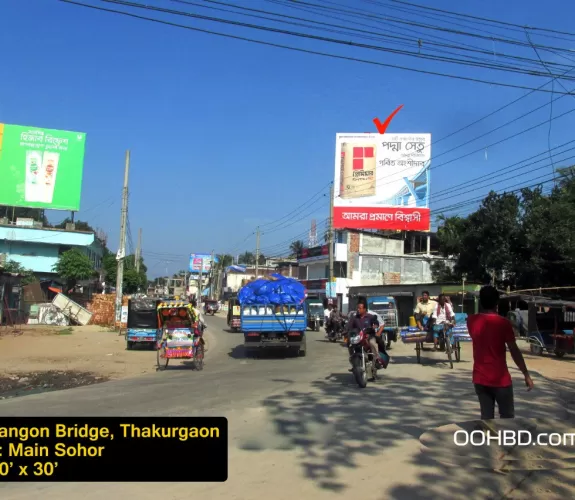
{"type": "Point", "coordinates": [226, 134]}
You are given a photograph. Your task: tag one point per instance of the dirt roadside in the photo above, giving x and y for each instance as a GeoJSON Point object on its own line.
{"type": "Point", "coordinates": [45, 358]}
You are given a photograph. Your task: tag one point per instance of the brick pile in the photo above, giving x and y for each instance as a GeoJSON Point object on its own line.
{"type": "Point", "coordinates": [103, 308]}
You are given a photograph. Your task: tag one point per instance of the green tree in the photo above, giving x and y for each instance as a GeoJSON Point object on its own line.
{"type": "Point", "coordinates": [80, 225]}
{"type": "Point", "coordinates": [132, 279]}
{"type": "Point", "coordinates": [247, 258]}
{"type": "Point", "coordinates": [225, 260]}
{"type": "Point", "coordinates": [25, 213]}
{"type": "Point", "coordinates": [296, 247]}
{"type": "Point", "coordinates": [73, 266]}
{"type": "Point", "coordinates": [15, 267]}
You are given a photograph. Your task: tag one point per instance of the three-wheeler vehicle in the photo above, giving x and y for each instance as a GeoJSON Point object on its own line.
{"type": "Point", "coordinates": [181, 335]}
{"type": "Point", "coordinates": [315, 314]}
{"type": "Point", "coordinates": [549, 327]}
{"type": "Point", "coordinates": [142, 325]}
{"type": "Point", "coordinates": [234, 314]}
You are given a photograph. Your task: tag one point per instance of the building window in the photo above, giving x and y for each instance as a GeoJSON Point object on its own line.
{"type": "Point", "coordinates": [63, 249]}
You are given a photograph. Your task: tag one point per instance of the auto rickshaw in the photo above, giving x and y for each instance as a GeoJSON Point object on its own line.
{"type": "Point", "coordinates": [234, 314]}
{"type": "Point", "coordinates": [549, 324]}
{"type": "Point", "coordinates": [181, 335]}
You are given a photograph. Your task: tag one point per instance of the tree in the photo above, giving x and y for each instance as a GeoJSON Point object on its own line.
{"type": "Point", "coordinates": [25, 213]}
{"type": "Point", "coordinates": [80, 225]}
{"type": "Point", "coordinates": [296, 247]}
{"type": "Point", "coordinates": [247, 258]}
{"type": "Point", "coordinates": [73, 266]}
{"type": "Point", "coordinates": [15, 267]}
{"type": "Point", "coordinates": [225, 260]}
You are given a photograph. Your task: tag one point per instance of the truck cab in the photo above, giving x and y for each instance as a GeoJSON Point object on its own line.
{"type": "Point", "coordinates": [386, 307]}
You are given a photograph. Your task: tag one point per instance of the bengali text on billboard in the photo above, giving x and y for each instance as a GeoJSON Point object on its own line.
{"type": "Point", "coordinates": [382, 181]}
{"type": "Point", "coordinates": [201, 261]}
{"type": "Point", "coordinates": [41, 168]}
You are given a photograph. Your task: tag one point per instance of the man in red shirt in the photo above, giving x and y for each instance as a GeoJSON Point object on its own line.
{"type": "Point", "coordinates": [490, 334]}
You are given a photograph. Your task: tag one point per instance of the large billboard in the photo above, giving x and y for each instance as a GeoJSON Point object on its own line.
{"type": "Point", "coordinates": [201, 261]}
{"type": "Point", "coordinates": [41, 168]}
{"type": "Point", "coordinates": [382, 181]}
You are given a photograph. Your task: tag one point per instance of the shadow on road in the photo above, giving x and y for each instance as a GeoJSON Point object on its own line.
{"type": "Point", "coordinates": [240, 352]}
{"type": "Point", "coordinates": [360, 423]}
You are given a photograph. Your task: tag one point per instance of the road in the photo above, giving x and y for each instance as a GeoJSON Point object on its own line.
{"type": "Point", "coordinates": [301, 427]}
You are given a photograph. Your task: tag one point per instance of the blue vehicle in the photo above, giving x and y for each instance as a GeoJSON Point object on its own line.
{"type": "Point", "coordinates": [386, 307]}
{"type": "Point", "coordinates": [142, 326]}
{"type": "Point", "coordinates": [276, 326]}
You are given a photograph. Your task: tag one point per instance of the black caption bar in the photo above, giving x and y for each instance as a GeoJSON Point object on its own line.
{"type": "Point", "coordinates": [175, 449]}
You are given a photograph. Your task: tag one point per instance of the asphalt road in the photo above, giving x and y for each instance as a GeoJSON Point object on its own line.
{"type": "Point", "coordinates": [300, 426]}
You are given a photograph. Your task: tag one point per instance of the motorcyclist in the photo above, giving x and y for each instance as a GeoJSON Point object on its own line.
{"type": "Point", "coordinates": [334, 321]}
{"type": "Point", "coordinates": [326, 316]}
{"type": "Point", "coordinates": [362, 321]}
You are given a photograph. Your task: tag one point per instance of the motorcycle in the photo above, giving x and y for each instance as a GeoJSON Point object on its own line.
{"type": "Point", "coordinates": [337, 333]}
{"type": "Point", "coordinates": [363, 362]}
{"type": "Point", "coordinates": [211, 310]}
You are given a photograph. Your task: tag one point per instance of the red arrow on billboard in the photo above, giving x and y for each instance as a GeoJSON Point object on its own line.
{"type": "Point", "coordinates": [382, 127]}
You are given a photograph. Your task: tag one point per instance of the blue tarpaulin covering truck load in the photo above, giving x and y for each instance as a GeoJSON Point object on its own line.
{"type": "Point", "coordinates": [274, 314]}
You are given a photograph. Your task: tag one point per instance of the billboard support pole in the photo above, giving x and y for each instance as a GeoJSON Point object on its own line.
{"type": "Point", "coordinates": [122, 250]}
{"type": "Point", "coordinates": [330, 240]}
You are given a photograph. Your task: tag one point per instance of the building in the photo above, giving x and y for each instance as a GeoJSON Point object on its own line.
{"type": "Point", "coordinates": [363, 258]}
{"type": "Point", "coordinates": [38, 248]}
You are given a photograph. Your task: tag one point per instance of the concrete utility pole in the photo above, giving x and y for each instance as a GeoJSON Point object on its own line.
{"type": "Point", "coordinates": [122, 250]}
{"type": "Point", "coordinates": [257, 251]}
{"type": "Point", "coordinates": [138, 255]}
{"type": "Point", "coordinates": [330, 241]}
{"type": "Point", "coordinates": [212, 274]}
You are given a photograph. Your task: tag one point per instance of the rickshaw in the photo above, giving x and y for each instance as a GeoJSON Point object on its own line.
{"type": "Point", "coordinates": [450, 339]}
{"type": "Point", "coordinates": [181, 336]}
{"type": "Point", "coordinates": [234, 314]}
{"type": "Point", "coordinates": [550, 324]}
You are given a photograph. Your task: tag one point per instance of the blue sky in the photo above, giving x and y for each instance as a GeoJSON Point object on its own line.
{"type": "Point", "coordinates": [225, 134]}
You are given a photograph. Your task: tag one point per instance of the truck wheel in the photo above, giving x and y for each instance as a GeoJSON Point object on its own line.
{"type": "Point", "coordinates": [129, 345]}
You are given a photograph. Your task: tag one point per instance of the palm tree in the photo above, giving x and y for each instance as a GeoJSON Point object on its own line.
{"type": "Point", "coordinates": [296, 247]}
{"type": "Point", "coordinates": [247, 258]}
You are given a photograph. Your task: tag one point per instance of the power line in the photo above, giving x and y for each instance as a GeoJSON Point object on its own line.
{"type": "Point", "coordinates": [418, 55]}
{"type": "Point", "coordinates": [306, 51]}
{"type": "Point", "coordinates": [495, 21]}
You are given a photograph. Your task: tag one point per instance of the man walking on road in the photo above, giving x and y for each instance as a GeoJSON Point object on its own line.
{"type": "Point", "coordinates": [490, 334]}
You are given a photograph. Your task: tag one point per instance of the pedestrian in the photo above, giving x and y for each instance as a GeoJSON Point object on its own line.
{"type": "Point", "coordinates": [490, 333]}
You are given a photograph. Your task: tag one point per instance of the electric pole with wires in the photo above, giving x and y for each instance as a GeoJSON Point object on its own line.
{"type": "Point", "coordinates": [121, 255]}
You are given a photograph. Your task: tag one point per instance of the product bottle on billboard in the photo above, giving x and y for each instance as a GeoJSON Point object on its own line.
{"type": "Point", "coordinates": [357, 177]}
{"type": "Point", "coordinates": [33, 183]}
{"type": "Point", "coordinates": [50, 169]}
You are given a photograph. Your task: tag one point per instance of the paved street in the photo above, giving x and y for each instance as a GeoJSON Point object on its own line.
{"type": "Point", "coordinates": [300, 427]}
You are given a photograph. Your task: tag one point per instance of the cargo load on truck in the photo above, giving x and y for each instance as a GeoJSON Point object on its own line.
{"type": "Point", "coordinates": [274, 314]}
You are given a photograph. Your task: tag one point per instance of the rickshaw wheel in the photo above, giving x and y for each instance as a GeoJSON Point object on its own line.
{"type": "Point", "coordinates": [559, 354]}
{"type": "Point", "coordinates": [199, 358]}
{"type": "Point", "coordinates": [537, 350]}
{"type": "Point", "coordinates": [449, 350]}
{"type": "Point", "coordinates": [162, 363]}
{"type": "Point", "coordinates": [457, 352]}
{"type": "Point", "coordinates": [418, 351]}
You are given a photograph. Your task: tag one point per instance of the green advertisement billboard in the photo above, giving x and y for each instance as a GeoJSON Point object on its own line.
{"type": "Point", "coordinates": [41, 168]}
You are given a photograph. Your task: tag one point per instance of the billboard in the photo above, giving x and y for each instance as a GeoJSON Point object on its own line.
{"type": "Point", "coordinates": [201, 261]}
{"type": "Point", "coordinates": [41, 168]}
{"type": "Point", "coordinates": [382, 181]}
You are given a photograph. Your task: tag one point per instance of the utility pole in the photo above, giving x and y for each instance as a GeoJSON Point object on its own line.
{"type": "Point", "coordinates": [212, 274]}
{"type": "Point", "coordinates": [257, 251]}
{"type": "Point", "coordinates": [330, 241]}
{"type": "Point", "coordinates": [122, 250]}
{"type": "Point", "coordinates": [138, 251]}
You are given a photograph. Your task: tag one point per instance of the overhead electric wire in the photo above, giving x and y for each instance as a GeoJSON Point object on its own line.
{"type": "Point", "coordinates": [494, 21]}
{"type": "Point", "coordinates": [405, 41]}
{"type": "Point", "coordinates": [306, 51]}
{"type": "Point", "coordinates": [418, 55]}
{"type": "Point", "coordinates": [440, 28]}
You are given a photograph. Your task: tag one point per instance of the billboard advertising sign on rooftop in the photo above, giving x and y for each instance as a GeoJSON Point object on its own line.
{"type": "Point", "coordinates": [41, 168]}
{"type": "Point", "coordinates": [201, 261]}
{"type": "Point", "coordinates": [382, 181]}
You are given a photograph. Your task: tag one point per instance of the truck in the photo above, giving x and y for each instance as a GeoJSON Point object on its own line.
{"type": "Point", "coordinates": [274, 326]}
